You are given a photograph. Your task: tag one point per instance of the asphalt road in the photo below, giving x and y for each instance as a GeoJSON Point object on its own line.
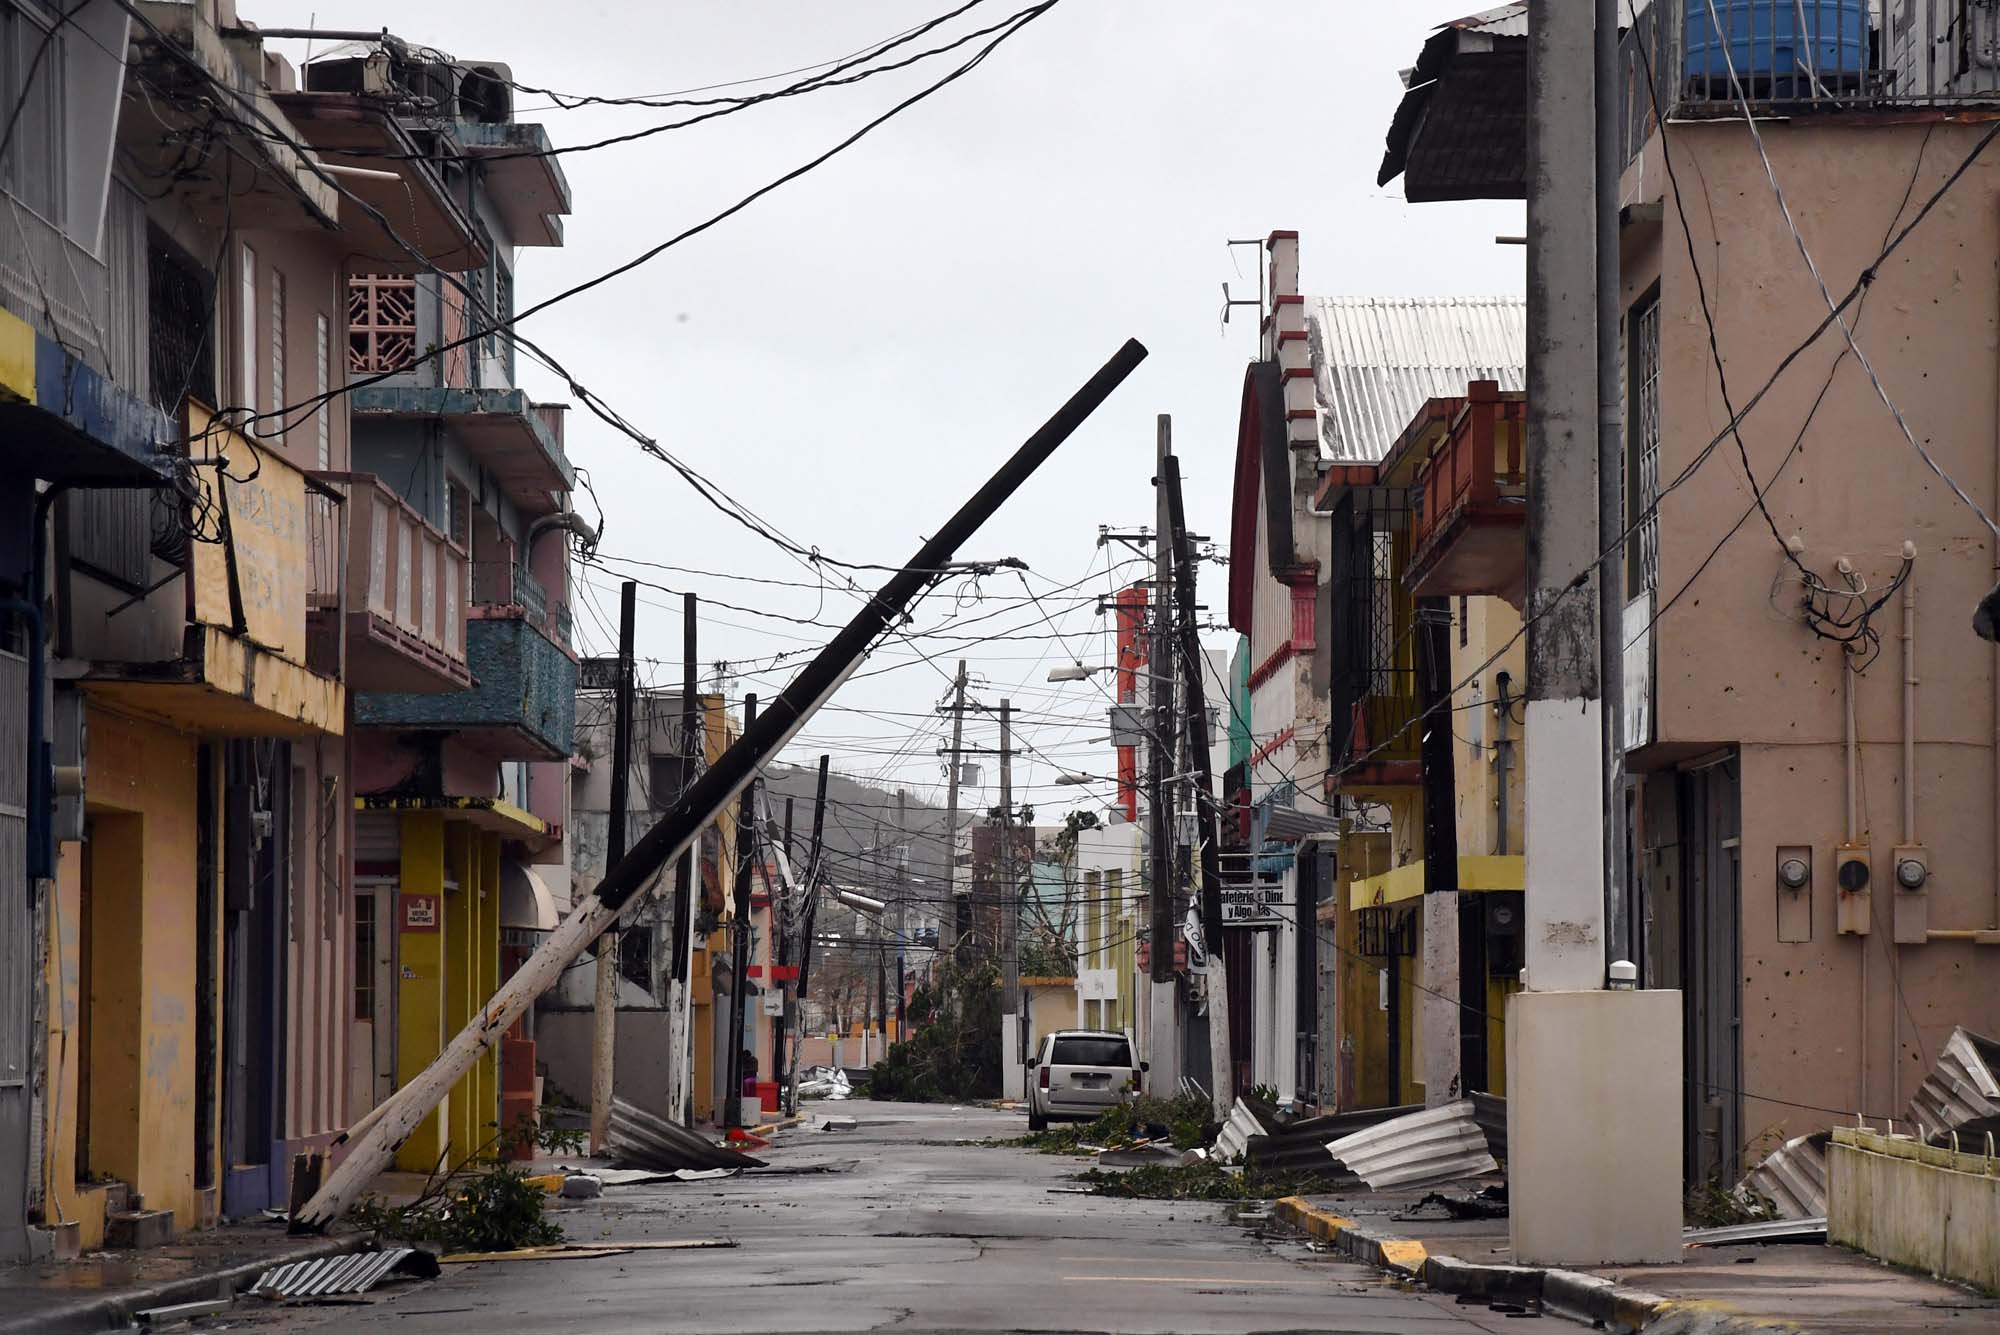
{"type": "Point", "coordinates": [902, 1225]}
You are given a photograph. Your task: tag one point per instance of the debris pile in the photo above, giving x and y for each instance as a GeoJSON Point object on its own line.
{"type": "Point", "coordinates": [1959, 1098]}
{"type": "Point", "coordinates": [1375, 1148]}
{"type": "Point", "coordinates": [824, 1082]}
{"type": "Point", "coordinates": [642, 1140]}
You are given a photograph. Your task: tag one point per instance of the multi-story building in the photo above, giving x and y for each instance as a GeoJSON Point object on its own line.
{"type": "Point", "coordinates": [240, 597]}
{"type": "Point", "coordinates": [1331, 788]}
{"type": "Point", "coordinates": [1806, 725]}
{"type": "Point", "coordinates": [458, 537]}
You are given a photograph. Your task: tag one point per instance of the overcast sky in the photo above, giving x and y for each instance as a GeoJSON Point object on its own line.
{"type": "Point", "coordinates": [855, 353]}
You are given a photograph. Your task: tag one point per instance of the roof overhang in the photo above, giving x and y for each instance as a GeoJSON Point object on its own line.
{"type": "Point", "coordinates": [506, 432]}
{"type": "Point", "coordinates": [225, 687]}
{"type": "Point", "coordinates": [1460, 131]}
{"type": "Point", "coordinates": [524, 179]}
{"type": "Point", "coordinates": [231, 170]}
{"type": "Point", "coordinates": [389, 175]}
{"type": "Point", "coordinates": [489, 814]}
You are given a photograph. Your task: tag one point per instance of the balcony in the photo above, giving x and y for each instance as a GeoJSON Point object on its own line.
{"type": "Point", "coordinates": [1464, 463]}
{"type": "Point", "coordinates": [523, 707]}
{"type": "Point", "coordinates": [242, 662]}
{"type": "Point", "coordinates": [512, 437]}
{"type": "Point", "coordinates": [408, 589]}
{"type": "Point", "coordinates": [1786, 57]}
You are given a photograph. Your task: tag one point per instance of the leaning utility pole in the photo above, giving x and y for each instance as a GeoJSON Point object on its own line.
{"type": "Point", "coordinates": [739, 935]}
{"type": "Point", "coordinates": [948, 928]}
{"type": "Point", "coordinates": [374, 1143]}
{"type": "Point", "coordinates": [810, 893]}
{"type": "Point", "coordinates": [680, 996]}
{"type": "Point", "coordinates": [1013, 1083]}
{"type": "Point", "coordinates": [604, 1031]}
{"type": "Point", "coordinates": [1163, 1013]}
{"type": "Point", "coordinates": [1593, 1076]}
{"type": "Point", "coordinates": [1221, 1074]}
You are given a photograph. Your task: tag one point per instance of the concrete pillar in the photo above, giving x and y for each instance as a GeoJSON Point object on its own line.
{"type": "Point", "coordinates": [1593, 1076]}
{"type": "Point", "coordinates": [421, 985]}
{"type": "Point", "coordinates": [488, 1105]}
{"type": "Point", "coordinates": [461, 925]}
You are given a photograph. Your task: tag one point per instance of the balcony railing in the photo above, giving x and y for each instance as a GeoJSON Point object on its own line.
{"type": "Point", "coordinates": [407, 587]}
{"type": "Point", "coordinates": [1709, 56]}
{"type": "Point", "coordinates": [1480, 464]}
{"type": "Point", "coordinates": [97, 308]}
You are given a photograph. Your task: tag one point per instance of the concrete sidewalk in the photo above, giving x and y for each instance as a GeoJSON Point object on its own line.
{"type": "Point", "coordinates": [1824, 1289]}
{"type": "Point", "coordinates": [103, 1290]}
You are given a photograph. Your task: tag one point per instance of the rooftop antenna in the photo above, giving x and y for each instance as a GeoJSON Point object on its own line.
{"type": "Point", "coordinates": [1229, 302]}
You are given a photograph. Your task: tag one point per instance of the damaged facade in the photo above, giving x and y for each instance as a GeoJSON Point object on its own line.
{"type": "Point", "coordinates": [244, 601]}
{"type": "Point", "coordinates": [1807, 728]}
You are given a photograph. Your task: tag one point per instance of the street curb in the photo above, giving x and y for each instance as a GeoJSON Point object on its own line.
{"type": "Point", "coordinates": [768, 1127]}
{"type": "Point", "coordinates": [115, 1311]}
{"type": "Point", "coordinates": [1591, 1299]}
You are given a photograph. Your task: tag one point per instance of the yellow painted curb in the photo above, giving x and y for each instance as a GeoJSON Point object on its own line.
{"type": "Point", "coordinates": [769, 1127]}
{"type": "Point", "coordinates": [1403, 1255]}
{"type": "Point", "coordinates": [1301, 1214]}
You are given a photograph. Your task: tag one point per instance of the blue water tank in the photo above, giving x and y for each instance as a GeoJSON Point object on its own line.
{"type": "Point", "coordinates": [1777, 43]}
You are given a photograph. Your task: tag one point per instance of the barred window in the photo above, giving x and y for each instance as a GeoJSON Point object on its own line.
{"type": "Point", "coordinates": [1642, 473]}
{"type": "Point", "coordinates": [381, 323]}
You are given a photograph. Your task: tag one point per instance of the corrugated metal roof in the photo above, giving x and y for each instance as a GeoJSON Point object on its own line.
{"type": "Point", "coordinates": [1502, 21]}
{"type": "Point", "coordinates": [1963, 1087]}
{"type": "Point", "coordinates": [356, 1272]}
{"type": "Point", "coordinates": [1377, 360]}
{"type": "Point", "coordinates": [1437, 1145]}
{"type": "Point", "coordinates": [1793, 1177]}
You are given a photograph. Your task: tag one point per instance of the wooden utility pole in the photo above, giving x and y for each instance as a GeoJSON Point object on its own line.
{"type": "Point", "coordinates": [948, 929]}
{"type": "Point", "coordinates": [1222, 1090]}
{"type": "Point", "coordinates": [902, 900]}
{"type": "Point", "coordinates": [604, 1032]}
{"type": "Point", "coordinates": [810, 890]}
{"type": "Point", "coordinates": [1163, 1014]}
{"type": "Point", "coordinates": [370, 1150]}
{"type": "Point", "coordinates": [781, 957]}
{"type": "Point", "coordinates": [680, 1006]}
{"type": "Point", "coordinates": [739, 936]}
{"type": "Point", "coordinates": [1013, 1081]}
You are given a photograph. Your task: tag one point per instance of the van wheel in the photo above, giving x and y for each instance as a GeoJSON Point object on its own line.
{"type": "Point", "coordinates": [1037, 1122]}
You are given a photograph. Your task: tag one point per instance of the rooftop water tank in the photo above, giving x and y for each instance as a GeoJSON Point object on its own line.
{"type": "Point", "coordinates": [1780, 48]}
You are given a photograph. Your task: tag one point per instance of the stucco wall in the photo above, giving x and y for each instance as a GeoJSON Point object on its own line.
{"type": "Point", "coordinates": [1735, 665]}
{"type": "Point", "coordinates": [1489, 623]}
{"type": "Point", "coordinates": [140, 794]}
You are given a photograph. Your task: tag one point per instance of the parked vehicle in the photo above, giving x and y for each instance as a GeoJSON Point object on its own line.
{"type": "Point", "coordinates": [1078, 1073]}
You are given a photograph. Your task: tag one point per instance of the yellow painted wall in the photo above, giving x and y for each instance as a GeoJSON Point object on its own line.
{"type": "Point", "coordinates": [67, 1199]}
{"type": "Point", "coordinates": [420, 987]}
{"type": "Point", "coordinates": [141, 798]}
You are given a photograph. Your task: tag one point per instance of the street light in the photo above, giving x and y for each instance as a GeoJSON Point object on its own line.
{"type": "Point", "coordinates": [1074, 780]}
{"type": "Point", "coordinates": [1077, 672]}
{"type": "Point", "coordinates": [854, 899]}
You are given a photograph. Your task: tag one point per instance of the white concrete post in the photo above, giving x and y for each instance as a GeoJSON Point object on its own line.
{"type": "Point", "coordinates": [1593, 1076]}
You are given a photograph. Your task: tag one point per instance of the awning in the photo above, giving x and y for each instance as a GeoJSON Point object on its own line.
{"type": "Point", "coordinates": [1291, 824]}
{"type": "Point", "coordinates": [525, 901]}
{"type": "Point", "coordinates": [486, 813]}
{"type": "Point", "coordinates": [1476, 872]}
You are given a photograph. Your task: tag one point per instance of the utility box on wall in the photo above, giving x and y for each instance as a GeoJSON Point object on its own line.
{"type": "Point", "coordinates": [1853, 889]}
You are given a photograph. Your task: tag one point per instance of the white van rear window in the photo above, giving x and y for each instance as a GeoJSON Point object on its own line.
{"type": "Point", "coordinates": [1091, 1052]}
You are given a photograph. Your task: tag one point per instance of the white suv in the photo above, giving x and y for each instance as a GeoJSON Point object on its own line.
{"type": "Point", "coordinates": [1078, 1073]}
